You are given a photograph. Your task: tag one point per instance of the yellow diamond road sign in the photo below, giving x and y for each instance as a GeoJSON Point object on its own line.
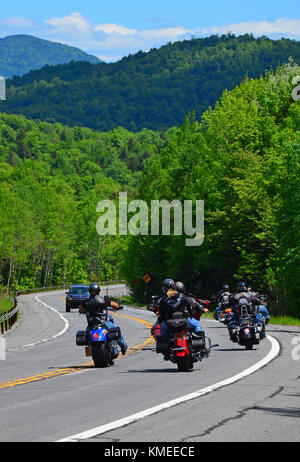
{"type": "Point", "coordinates": [147, 278]}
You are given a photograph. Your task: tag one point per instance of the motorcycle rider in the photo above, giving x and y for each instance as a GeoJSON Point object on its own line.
{"type": "Point", "coordinates": [197, 307]}
{"type": "Point", "coordinates": [97, 306]}
{"type": "Point", "coordinates": [261, 309]}
{"type": "Point", "coordinates": [224, 300]}
{"type": "Point", "coordinates": [252, 301]}
{"type": "Point", "coordinates": [173, 300]}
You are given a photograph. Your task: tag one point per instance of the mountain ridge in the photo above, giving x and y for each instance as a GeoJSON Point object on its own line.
{"type": "Point", "coordinates": [154, 89]}
{"type": "Point", "coordinates": [22, 53]}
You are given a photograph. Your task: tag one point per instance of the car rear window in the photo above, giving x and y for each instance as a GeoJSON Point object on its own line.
{"type": "Point", "coordinates": [79, 290]}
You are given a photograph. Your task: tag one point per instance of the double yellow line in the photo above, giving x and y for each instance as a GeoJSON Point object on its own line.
{"type": "Point", "coordinates": [69, 370]}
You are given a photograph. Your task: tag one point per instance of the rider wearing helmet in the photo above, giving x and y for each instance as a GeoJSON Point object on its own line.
{"type": "Point", "coordinates": [261, 309]}
{"type": "Point", "coordinates": [224, 299]}
{"type": "Point", "coordinates": [97, 306]}
{"type": "Point", "coordinates": [242, 292]}
{"type": "Point", "coordinates": [252, 302]}
{"type": "Point", "coordinates": [180, 287]}
{"type": "Point", "coordinates": [175, 300]}
{"type": "Point", "coordinates": [198, 306]}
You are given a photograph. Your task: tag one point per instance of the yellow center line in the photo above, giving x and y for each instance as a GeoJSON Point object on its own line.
{"type": "Point", "coordinates": [79, 367]}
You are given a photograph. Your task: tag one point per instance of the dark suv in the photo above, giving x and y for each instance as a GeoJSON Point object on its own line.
{"type": "Point", "coordinates": [76, 295]}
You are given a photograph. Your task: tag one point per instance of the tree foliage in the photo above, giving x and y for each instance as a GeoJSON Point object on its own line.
{"type": "Point", "coordinates": [51, 179]}
{"type": "Point", "coordinates": [243, 161]}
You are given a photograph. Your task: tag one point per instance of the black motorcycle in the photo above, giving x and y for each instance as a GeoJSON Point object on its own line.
{"type": "Point", "coordinates": [247, 332]}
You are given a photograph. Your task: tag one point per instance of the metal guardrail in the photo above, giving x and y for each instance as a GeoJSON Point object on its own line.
{"type": "Point", "coordinates": [61, 287]}
{"type": "Point", "coordinates": [8, 319]}
{"type": "Point", "coordinates": [41, 289]}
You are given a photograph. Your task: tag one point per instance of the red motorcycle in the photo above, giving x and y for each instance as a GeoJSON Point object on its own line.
{"type": "Point", "coordinates": [182, 347]}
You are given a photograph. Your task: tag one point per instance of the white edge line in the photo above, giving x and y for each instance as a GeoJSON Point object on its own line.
{"type": "Point", "coordinates": [275, 349]}
{"type": "Point", "coordinates": [66, 325]}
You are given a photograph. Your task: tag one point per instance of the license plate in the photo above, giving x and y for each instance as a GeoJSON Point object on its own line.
{"type": "Point", "coordinates": [181, 335]}
{"type": "Point", "coordinates": [88, 351]}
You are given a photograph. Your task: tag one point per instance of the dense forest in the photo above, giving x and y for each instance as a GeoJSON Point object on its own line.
{"type": "Point", "coordinates": [152, 90]}
{"type": "Point", "coordinates": [52, 178]}
{"type": "Point", "coordinates": [243, 160]}
{"type": "Point", "coordinates": [20, 54]}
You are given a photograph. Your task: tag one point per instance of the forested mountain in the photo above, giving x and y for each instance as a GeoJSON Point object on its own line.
{"type": "Point", "coordinates": [243, 160]}
{"type": "Point", "coordinates": [153, 90]}
{"type": "Point", "coordinates": [20, 54]}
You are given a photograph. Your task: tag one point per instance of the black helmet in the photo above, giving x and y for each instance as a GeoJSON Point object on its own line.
{"type": "Point", "coordinates": [94, 289]}
{"type": "Point", "coordinates": [168, 284]}
{"type": "Point", "coordinates": [180, 287]}
{"type": "Point", "coordinates": [241, 287]}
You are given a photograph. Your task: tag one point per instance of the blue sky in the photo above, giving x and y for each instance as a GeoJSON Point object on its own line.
{"type": "Point", "coordinates": [115, 28]}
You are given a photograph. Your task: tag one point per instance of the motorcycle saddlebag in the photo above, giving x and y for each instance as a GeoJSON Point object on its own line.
{"type": "Point", "coordinates": [177, 323]}
{"type": "Point", "coordinates": [156, 330]}
{"type": "Point", "coordinates": [198, 341]}
{"type": "Point", "coordinates": [81, 339]}
{"type": "Point", "coordinates": [162, 343]}
{"type": "Point", "coordinates": [114, 333]}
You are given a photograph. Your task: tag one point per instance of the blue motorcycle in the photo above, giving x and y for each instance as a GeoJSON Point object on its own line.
{"type": "Point", "coordinates": [100, 340]}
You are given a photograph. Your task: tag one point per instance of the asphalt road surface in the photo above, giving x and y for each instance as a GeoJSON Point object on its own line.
{"type": "Point", "coordinates": [50, 391]}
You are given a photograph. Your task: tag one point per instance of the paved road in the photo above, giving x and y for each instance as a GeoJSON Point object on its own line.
{"type": "Point", "coordinates": [50, 391]}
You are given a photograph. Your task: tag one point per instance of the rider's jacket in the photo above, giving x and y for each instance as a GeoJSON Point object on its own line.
{"type": "Point", "coordinates": [173, 302]}
{"type": "Point", "coordinates": [97, 307]}
{"type": "Point", "coordinates": [250, 299]}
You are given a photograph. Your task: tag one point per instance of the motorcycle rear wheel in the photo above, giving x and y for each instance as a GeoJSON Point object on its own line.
{"type": "Point", "coordinates": [100, 355]}
{"type": "Point", "coordinates": [249, 345]}
{"type": "Point", "coordinates": [185, 364]}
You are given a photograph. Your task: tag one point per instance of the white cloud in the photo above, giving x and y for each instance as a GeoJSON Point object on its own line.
{"type": "Point", "coordinates": [17, 22]}
{"type": "Point", "coordinates": [115, 29]}
{"type": "Point", "coordinates": [170, 33]}
{"type": "Point", "coordinates": [75, 22]}
{"type": "Point", "coordinates": [112, 41]}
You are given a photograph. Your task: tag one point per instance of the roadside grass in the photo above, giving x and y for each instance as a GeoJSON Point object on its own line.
{"type": "Point", "coordinates": [5, 304]}
{"type": "Point", "coordinates": [285, 320]}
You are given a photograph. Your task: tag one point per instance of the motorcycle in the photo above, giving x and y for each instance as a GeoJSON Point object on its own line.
{"type": "Point", "coordinates": [181, 346]}
{"type": "Point", "coordinates": [225, 316]}
{"type": "Point", "coordinates": [100, 342]}
{"type": "Point", "coordinates": [247, 333]}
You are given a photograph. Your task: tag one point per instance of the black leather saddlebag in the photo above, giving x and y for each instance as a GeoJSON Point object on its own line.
{"type": "Point", "coordinates": [178, 322]}
{"type": "Point", "coordinates": [198, 341]}
{"type": "Point", "coordinates": [81, 338]}
{"type": "Point", "coordinates": [162, 343]}
{"type": "Point", "coordinates": [114, 333]}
